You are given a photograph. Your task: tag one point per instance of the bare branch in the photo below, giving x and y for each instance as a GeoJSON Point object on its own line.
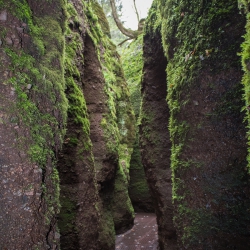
{"type": "Point", "coordinates": [121, 43]}
{"type": "Point", "coordinates": [127, 32]}
{"type": "Point", "coordinates": [136, 11]}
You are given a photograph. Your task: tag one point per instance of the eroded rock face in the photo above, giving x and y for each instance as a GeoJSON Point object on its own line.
{"type": "Point", "coordinates": [155, 140]}
{"type": "Point", "coordinates": [105, 162]}
{"type": "Point", "coordinates": [208, 136]}
{"type": "Point", "coordinates": [31, 126]}
{"type": "Point", "coordinates": [91, 160]}
{"type": "Point", "coordinates": [79, 219]}
{"type": "Point", "coordinates": [60, 112]}
{"type": "Point", "coordinates": [209, 148]}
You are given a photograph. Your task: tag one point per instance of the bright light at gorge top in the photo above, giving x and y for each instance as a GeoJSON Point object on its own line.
{"type": "Point", "coordinates": [129, 16]}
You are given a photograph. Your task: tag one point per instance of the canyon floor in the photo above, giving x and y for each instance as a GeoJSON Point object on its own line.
{"type": "Point", "coordinates": [143, 235]}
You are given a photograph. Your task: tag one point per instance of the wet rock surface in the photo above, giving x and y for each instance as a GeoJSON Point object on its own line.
{"type": "Point", "coordinates": [143, 235]}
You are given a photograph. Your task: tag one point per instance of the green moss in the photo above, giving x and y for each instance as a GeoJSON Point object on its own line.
{"type": "Point", "coordinates": [119, 122]}
{"type": "Point", "coordinates": [138, 187]}
{"type": "Point", "coordinates": [102, 20]}
{"type": "Point", "coordinates": [40, 91]}
{"type": "Point", "coordinates": [122, 205]}
{"type": "Point", "coordinates": [67, 216]}
{"type": "Point", "coordinates": [194, 38]}
{"type": "Point", "coordinates": [132, 64]}
{"type": "Point", "coordinates": [245, 59]}
{"type": "Point", "coordinates": [77, 104]}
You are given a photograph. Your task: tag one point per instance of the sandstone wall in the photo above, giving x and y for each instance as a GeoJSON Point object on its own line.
{"type": "Point", "coordinates": [32, 123]}
{"type": "Point", "coordinates": [210, 184]}
{"type": "Point", "coordinates": [67, 128]}
{"type": "Point", "coordinates": [154, 136]}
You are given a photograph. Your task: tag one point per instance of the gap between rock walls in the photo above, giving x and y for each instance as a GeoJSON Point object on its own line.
{"type": "Point", "coordinates": [90, 138]}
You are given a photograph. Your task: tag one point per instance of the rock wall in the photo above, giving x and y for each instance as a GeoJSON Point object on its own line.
{"type": "Point", "coordinates": [32, 122]}
{"type": "Point", "coordinates": [66, 127]}
{"type": "Point", "coordinates": [117, 125]}
{"type": "Point", "coordinates": [132, 62]}
{"type": "Point", "coordinates": [245, 55]}
{"type": "Point", "coordinates": [210, 184]}
{"type": "Point", "coordinates": [79, 218]}
{"type": "Point", "coordinates": [154, 136]}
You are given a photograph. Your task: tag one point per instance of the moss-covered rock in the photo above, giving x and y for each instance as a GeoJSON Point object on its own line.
{"type": "Point", "coordinates": [154, 135]}
{"type": "Point", "coordinates": [208, 152]}
{"type": "Point", "coordinates": [64, 107]}
{"type": "Point", "coordinates": [132, 62]}
{"type": "Point", "coordinates": [117, 124]}
{"type": "Point", "coordinates": [34, 110]}
{"type": "Point", "coordinates": [79, 218]}
{"type": "Point", "coordinates": [245, 57]}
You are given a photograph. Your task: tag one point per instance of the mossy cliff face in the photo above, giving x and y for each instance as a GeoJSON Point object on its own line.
{"type": "Point", "coordinates": [132, 62]}
{"type": "Point", "coordinates": [79, 219]}
{"type": "Point", "coordinates": [114, 124]}
{"type": "Point", "coordinates": [154, 136]}
{"type": "Point", "coordinates": [210, 186]}
{"type": "Point", "coordinates": [64, 107]}
{"type": "Point", "coordinates": [97, 148]}
{"type": "Point", "coordinates": [245, 56]}
{"type": "Point", "coordinates": [33, 116]}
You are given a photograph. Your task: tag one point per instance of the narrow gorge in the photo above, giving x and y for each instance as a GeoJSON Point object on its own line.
{"type": "Point", "coordinates": [89, 136]}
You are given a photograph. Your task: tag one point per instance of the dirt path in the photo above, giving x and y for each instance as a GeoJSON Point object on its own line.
{"type": "Point", "coordinates": [142, 236]}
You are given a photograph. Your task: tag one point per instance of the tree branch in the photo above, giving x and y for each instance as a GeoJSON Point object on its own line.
{"type": "Point", "coordinates": [121, 43]}
{"type": "Point", "coordinates": [136, 11]}
{"type": "Point", "coordinates": [127, 32]}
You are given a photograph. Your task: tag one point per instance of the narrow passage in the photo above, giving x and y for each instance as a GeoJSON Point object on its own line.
{"type": "Point", "coordinates": [143, 235]}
